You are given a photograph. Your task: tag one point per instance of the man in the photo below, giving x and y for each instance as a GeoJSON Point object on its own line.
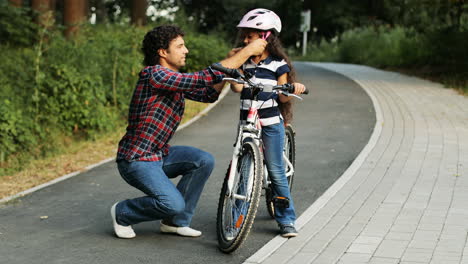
{"type": "Point", "coordinates": [145, 159]}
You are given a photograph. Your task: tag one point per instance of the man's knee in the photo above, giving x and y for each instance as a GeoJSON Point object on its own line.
{"type": "Point", "coordinates": [173, 206]}
{"type": "Point", "coordinates": [207, 161]}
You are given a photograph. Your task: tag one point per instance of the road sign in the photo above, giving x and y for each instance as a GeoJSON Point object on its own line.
{"type": "Point", "coordinates": [305, 27]}
{"type": "Point", "coordinates": [305, 21]}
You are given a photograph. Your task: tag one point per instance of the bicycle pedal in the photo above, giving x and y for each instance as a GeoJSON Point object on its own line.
{"type": "Point", "coordinates": [281, 202]}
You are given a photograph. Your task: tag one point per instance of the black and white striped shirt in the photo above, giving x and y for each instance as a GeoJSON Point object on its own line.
{"type": "Point", "coordinates": [266, 72]}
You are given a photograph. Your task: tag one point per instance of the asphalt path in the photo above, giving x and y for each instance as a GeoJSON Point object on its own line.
{"type": "Point", "coordinates": [69, 222]}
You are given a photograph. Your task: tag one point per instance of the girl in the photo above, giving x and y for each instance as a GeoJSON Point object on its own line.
{"type": "Point", "coordinates": [271, 67]}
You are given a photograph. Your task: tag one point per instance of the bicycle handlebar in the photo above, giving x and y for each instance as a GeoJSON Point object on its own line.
{"type": "Point", "coordinates": [288, 87]}
{"type": "Point", "coordinates": [231, 72]}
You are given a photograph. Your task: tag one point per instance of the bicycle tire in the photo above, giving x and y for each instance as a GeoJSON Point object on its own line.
{"type": "Point", "coordinates": [231, 234]}
{"type": "Point", "coordinates": [290, 149]}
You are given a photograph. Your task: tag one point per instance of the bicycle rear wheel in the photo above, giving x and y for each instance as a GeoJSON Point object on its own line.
{"type": "Point", "coordinates": [236, 211]}
{"type": "Point", "coordinates": [289, 151]}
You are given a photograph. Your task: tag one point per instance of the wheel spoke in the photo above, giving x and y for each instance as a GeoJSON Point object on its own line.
{"type": "Point", "coordinates": [237, 210]}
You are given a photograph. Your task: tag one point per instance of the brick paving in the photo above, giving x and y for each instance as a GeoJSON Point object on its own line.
{"type": "Point", "coordinates": [405, 197]}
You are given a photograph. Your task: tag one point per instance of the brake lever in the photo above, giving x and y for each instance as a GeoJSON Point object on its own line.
{"type": "Point", "coordinates": [290, 94]}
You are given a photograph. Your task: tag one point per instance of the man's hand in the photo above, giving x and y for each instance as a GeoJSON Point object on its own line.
{"type": "Point", "coordinates": [233, 51]}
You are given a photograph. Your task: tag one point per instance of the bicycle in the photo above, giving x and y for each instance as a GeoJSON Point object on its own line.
{"type": "Point", "coordinates": [247, 174]}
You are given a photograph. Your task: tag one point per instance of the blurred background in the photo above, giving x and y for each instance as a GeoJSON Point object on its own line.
{"type": "Point", "coordinates": [68, 67]}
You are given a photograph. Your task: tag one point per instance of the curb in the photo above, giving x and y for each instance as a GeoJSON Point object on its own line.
{"type": "Point", "coordinates": [56, 180]}
{"type": "Point", "coordinates": [310, 212]}
{"type": "Point", "coordinates": [67, 176]}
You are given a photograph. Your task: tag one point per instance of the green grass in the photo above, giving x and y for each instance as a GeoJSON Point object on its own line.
{"type": "Point", "coordinates": [74, 155]}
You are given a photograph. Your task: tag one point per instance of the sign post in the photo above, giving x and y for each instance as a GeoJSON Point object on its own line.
{"type": "Point", "coordinates": [305, 27]}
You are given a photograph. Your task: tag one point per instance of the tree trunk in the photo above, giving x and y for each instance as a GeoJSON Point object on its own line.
{"type": "Point", "coordinates": [44, 8]}
{"type": "Point", "coordinates": [458, 12]}
{"type": "Point", "coordinates": [139, 12]}
{"type": "Point", "coordinates": [86, 10]}
{"type": "Point", "coordinates": [17, 3]}
{"type": "Point", "coordinates": [73, 15]}
{"type": "Point", "coordinates": [402, 13]}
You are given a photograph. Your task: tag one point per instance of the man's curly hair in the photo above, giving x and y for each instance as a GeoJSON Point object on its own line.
{"type": "Point", "coordinates": [158, 38]}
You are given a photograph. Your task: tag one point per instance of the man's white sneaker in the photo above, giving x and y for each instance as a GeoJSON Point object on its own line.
{"type": "Point", "coordinates": [120, 230]}
{"type": "Point", "coordinates": [182, 231]}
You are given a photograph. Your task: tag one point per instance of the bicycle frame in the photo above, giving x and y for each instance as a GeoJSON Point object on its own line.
{"type": "Point", "coordinates": [252, 129]}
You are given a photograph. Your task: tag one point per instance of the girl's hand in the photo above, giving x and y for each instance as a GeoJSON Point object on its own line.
{"type": "Point", "coordinates": [256, 47]}
{"type": "Point", "coordinates": [299, 88]}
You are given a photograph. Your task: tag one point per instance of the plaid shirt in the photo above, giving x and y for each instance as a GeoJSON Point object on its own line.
{"type": "Point", "coordinates": [157, 107]}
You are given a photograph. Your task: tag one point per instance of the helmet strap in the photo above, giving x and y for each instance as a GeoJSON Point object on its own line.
{"type": "Point", "coordinates": [265, 35]}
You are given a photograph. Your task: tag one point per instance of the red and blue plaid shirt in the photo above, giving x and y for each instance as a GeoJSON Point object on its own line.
{"type": "Point", "coordinates": [157, 107]}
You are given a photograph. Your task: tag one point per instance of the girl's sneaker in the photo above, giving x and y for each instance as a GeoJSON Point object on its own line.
{"type": "Point", "coordinates": [287, 231]}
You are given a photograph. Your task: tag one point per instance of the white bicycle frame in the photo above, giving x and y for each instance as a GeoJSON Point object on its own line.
{"type": "Point", "coordinates": [251, 129]}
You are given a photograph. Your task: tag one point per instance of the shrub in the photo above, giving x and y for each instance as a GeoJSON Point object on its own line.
{"type": "Point", "coordinates": [78, 88]}
{"type": "Point", "coordinates": [375, 46]}
{"type": "Point", "coordinates": [203, 51]}
{"type": "Point", "coordinates": [439, 53]}
{"type": "Point", "coordinates": [16, 27]}
{"type": "Point", "coordinates": [381, 46]}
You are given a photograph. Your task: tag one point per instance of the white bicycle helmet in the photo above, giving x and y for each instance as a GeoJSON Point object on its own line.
{"type": "Point", "coordinates": [261, 19]}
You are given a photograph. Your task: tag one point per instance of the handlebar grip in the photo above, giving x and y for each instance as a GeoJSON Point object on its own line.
{"type": "Point", "coordinates": [306, 91]}
{"type": "Point", "coordinates": [231, 72]}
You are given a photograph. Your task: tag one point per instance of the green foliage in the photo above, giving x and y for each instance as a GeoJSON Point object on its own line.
{"type": "Point", "coordinates": [392, 47]}
{"type": "Point", "coordinates": [224, 15]}
{"type": "Point", "coordinates": [16, 27]}
{"type": "Point", "coordinates": [203, 51]}
{"type": "Point", "coordinates": [448, 47]}
{"type": "Point", "coordinates": [333, 17]}
{"type": "Point", "coordinates": [382, 46]}
{"type": "Point", "coordinates": [440, 53]}
{"type": "Point", "coordinates": [16, 129]}
{"type": "Point", "coordinates": [368, 45]}
{"type": "Point", "coordinates": [75, 89]}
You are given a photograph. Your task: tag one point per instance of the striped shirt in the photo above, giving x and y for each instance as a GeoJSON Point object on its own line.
{"type": "Point", "coordinates": [157, 107]}
{"type": "Point", "coordinates": [266, 72]}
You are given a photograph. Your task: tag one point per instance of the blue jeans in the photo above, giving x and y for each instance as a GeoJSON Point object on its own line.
{"type": "Point", "coordinates": [163, 199]}
{"type": "Point", "coordinates": [273, 141]}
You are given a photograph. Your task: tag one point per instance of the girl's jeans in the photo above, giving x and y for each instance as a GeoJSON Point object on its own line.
{"type": "Point", "coordinates": [163, 199]}
{"type": "Point", "coordinates": [273, 140]}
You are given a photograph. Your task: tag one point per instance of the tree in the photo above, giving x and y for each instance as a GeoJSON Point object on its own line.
{"type": "Point", "coordinates": [17, 3]}
{"type": "Point", "coordinates": [17, 28]}
{"type": "Point", "coordinates": [74, 14]}
{"type": "Point", "coordinates": [138, 12]}
{"type": "Point", "coordinates": [206, 15]}
{"type": "Point", "coordinates": [45, 11]}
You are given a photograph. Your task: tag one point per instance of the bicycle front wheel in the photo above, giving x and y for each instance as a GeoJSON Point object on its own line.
{"type": "Point", "coordinates": [237, 210]}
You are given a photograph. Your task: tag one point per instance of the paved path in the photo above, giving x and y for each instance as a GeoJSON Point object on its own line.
{"type": "Point", "coordinates": [69, 222]}
{"type": "Point", "coordinates": [405, 197]}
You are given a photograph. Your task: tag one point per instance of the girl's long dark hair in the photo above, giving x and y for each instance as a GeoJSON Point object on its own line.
{"type": "Point", "coordinates": [276, 50]}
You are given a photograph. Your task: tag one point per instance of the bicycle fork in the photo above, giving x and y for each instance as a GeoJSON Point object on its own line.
{"type": "Point", "coordinates": [234, 171]}
{"type": "Point", "coordinates": [250, 130]}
